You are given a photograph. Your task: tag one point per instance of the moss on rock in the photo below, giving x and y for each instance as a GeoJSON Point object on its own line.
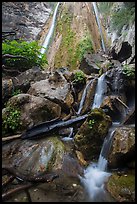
{"type": "Point", "coordinates": [89, 138]}
{"type": "Point", "coordinates": [122, 187]}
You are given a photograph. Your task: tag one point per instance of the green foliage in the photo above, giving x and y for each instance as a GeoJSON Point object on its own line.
{"type": "Point", "coordinates": [91, 123]}
{"type": "Point", "coordinates": [85, 45]}
{"type": "Point", "coordinates": [128, 71]}
{"type": "Point", "coordinates": [11, 120]}
{"type": "Point", "coordinates": [123, 16]}
{"type": "Point", "coordinates": [16, 92]}
{"type": "Point", "coordinates": [79, 77]}
{"type": "Point", "coordinates": [30, 50]}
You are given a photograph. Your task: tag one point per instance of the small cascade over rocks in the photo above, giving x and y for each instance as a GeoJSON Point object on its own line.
{"type": "Point", "coordinates": [84, 97]}
{"type": "Point", "coordinates": [95, 175]}
{"type": "Point", "coordinates": [100, 91]}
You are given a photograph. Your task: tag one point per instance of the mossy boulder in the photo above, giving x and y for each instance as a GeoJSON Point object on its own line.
{"type": "Point", "coordinates": [32, 109]}
{"type": "Point", "coordinates": [122, 187]}
{"type": "Point", "coordinates": [33, 157]}
{"type": "Point", "coordinates": [91, 134]}
{"type": "Point", "coordinates": [122, 150]}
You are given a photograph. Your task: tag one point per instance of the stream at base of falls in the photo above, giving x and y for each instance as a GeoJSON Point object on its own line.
{"type": "Point", "coordinates": [95, 175]}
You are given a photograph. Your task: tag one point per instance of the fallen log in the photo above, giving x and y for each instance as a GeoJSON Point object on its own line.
{"type": "Point", "coordinates": [48, 127]}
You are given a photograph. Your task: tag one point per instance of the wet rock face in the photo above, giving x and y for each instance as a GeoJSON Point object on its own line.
{"type": "Point", "coordinates": [91, 134]}
{"type": "Point", "coordinates": [122, 186]}
{"type": "Point", "coordinates": [122, 54]}
{"type": "Point", "coordinates": [34, 157]}
{"type": "Point", "coordinates": [23, 81]}
{"type": "Point", "coordinates": [7, 89]}
{"type": "Point", "coordinates": [115, 81]}
{"type": "Point", "coordinates": [113, 107]}
{"type": "Point", "coordinates": [123, 147]}
{"type": "Point", "coordinates": [34, 109]}
{"type": "Point", "coordinates": [55, 88]}
{"type": "Point", "coordinates": [27, 18]}
{"type": "Point", "coordinates": [91, 63]}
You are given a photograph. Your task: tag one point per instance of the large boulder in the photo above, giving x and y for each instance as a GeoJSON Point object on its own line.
{"type": "Point", "coordinates": [23, 81]}
{"type": "Point", "coordinates": [34, 157]}
{"type": "Point", "coordinates": [33, 110]}
{"type": "Point", "coordinates": [55, 88]}
{"type": "Point", "coordinates": [91, 134]}
{"type": "Point", "coordinates": [121, 186]}
{"type": "Point", "coordinates": [91, 63]}
{"type": "Point", "coordinates": [114, 107]}
{"type": "Point", "coordinates": [122, 150]}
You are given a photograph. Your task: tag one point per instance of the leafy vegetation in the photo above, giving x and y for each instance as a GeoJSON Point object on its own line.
{"type": "Point", "coordinates": [11, 120]}
{"type": "Point", "coordinates": [71, 48]}
{"type": "Point", "coordinates": [124, 15]}
{"type": "Point", "coordinates": [128, 71]}
{"type": "Point", "coordinates": [16, 92]}
{"type": "Point", "coordinates": [85, 45]}
{"type": "Point", "coordinates": [91, 123]}
{"type": "Point", "coordinates": [79, 77]}
{"type": "Point", "coordinates": [29, 50]}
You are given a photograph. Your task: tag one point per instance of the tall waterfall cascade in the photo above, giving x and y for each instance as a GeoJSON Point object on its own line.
{"type": "Point", "coordinates": [51, 30]}
{"type": "Point", "coordinates": [99, 25]}
{"type": "Point", "coordinates": [100, 91]}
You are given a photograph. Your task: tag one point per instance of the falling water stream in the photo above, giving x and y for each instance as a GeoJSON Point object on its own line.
{"type": "Point", "coordinates": [99, 25]}
{"type": "Point", "coordinates": [51, 30]}
{"type": "Point", "coordinates": [95, 175]}
{"type": "Point", "coordinates": [100, 91]}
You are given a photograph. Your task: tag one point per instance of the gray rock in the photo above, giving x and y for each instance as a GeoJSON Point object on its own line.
{"type": "Point", "coordinates": [34, 109]}
{"type": "Point", "coordinates": [123, 147]}
{"type": "Point", "coordinates": [55, 88]}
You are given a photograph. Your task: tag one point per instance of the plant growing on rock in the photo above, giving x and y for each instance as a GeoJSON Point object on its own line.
{"type": "Point", "coordinates": [11, 120]}
{"type": "Point", "coordinates": [79, 78]}
{"type": "Point", "coordinates": [16, 92]}
{"type": "Point", "coordinates": [29, 50]}
{"type": "Point", "coordinates": [91, 123]}
{"type": "Point", "coordinates": [128, 71]}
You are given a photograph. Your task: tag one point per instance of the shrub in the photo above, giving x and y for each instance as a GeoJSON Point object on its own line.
{"type": "Point", "coordinates": [16, 92]}
{"type": "Point", "coordinates": [128, 71]}
{"type": "Point", "coordinates": [85, 45]}
{"type": "Point", "coordinates": [30, 50]}
{"type": "Point", "coordinates": [11, 120]}
{"type": "Point", "coordinates": [79, 77]}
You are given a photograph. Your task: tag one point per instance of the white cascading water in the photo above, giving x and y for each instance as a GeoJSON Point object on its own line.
{"type": "Point", "coordinates": [95, 174]}
{"type": "Point", "coordinates": [50, 33]}
{"type": "Point", "coordinates": [100, 91]}
{"type": "Point", "coordinates": [83, 97]}
{"type": "Point", "coordinates": [99, 25]}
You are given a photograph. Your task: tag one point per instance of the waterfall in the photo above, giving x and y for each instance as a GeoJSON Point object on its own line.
{"type": "Point", "coordinates": [102, 161]}
{"type": "Point", "coordinates": [95, 174]}
{"type": "Point", "coordinates": [83, 97]}
{"type": "Point", "coordinates": [51, 30]}
{"type": "Point", "coordinates": [100, 91]}
{"type": "Point", "coordinates": [99, 25]}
